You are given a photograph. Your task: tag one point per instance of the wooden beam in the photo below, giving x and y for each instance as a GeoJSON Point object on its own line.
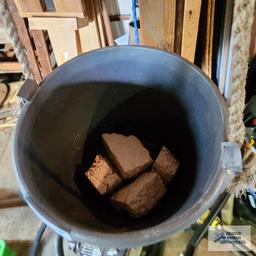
{"type": "Point", "coordinates": [69, 6]}
{"type": "Point", "coordinates": [89, 35]}
{"type": "Point", "coordinates": [10, 199]}
{"type": "Point", "coordinates": [10, 67]}
{"type": "Point", "coordinates": [42, 52]}
{"type": "Point", "coordinates": [98, 13]}
{"type": "Point", "coordinates": [65, 45]}
{"type": "Point", "coordinates": [25, 39]}
{"type": "Point", "coordinates": [30, 5]}
{"type": "Point", "coordinates": [178, 26]}
{"type": "Point", "coordinates": [192, 9]}
{"type": "Point", "coordinates": [206, 64]}
{"type": "Point", "coordinates": [65, 8]}
{"type": "Point", "coordinates": [38, 37]}
{"type": "Point", "coordinates": [157, 20]}
{"type": "Point", "coordinates": [107, 24]}
{"type": "Point", "coordinates": [53, 14]}
{"type": "Point", "coordinates": [42, 23]}
{"type": "Point", "coordinates": [62, 34]}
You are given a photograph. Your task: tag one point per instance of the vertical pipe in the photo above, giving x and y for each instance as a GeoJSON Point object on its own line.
{"type": "Point", "coordinates": [134, 12]}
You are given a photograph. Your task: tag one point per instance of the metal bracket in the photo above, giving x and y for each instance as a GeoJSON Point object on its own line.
{"type": "Point", "coordinates": [82, 249]}
{"type": "Point", "coordinates": [27, 91]}
{"type": "Point", "coordinates": [232, 158]}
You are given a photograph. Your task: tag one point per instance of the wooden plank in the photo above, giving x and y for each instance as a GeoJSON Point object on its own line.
{"type": "Point", "coordinates": [31, 8]}
{"type": "Point", "coordinates": [30, 5]}
{"type": "Point", "coordinates": [206, 64]}
{"type": "Point", "coordinates": [53, 14]}
{"type": "Point", "coordinates": [10, 199]}
{"type": "Point", "coordinates": [89, 39]}
{"type": "Point", "coordinates": [107, 24]}
{"type": "Point", "coordinates": [65, 45]}
{"type": "Point", "coordinates": [98, 13]}
{"type": "Point", "coordinates": [25, 39]}
{"type": "Point", "coordinates": [69, 6]}
{"type": "Point", "coordinates": [192, 9]}
{"type": "Point", "coordinates": [62, 34]}
{"type": "Point", "coordinates": [42, 52]}
{"type": "Point", "coordinates": [10, 67]}
{"type": "Point", "coordinates": [89, 35]}
{"type": "Point", "coordinates": [178, 26]}
{"type": "Point", "coordinates": [38, 37]}
{"type": "Point", "coordinates": [157, 20]}
{"type": "Point", "coordinates": [41, 23]}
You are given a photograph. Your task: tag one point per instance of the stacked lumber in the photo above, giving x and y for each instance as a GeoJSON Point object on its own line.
{"type": "Point", "coordinates": [53, 34]}
{"type": "Point", "coordinates": [38, 51]}
{"type": "Point", "coordinates": [173, 25]}
{"type": "Point", "coordinates": [73, 27]}
{"type": "Point", "coordinates": [55, 31]}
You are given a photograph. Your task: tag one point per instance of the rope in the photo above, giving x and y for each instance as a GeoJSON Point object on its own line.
{"type": "Point", "coordinates": [11, 32]}
{"type": "Point", "coordinates": [240, 39]}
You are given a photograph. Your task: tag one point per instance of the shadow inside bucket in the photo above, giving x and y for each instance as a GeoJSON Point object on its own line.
{"type": "Point", "coordinates": [157, 119]}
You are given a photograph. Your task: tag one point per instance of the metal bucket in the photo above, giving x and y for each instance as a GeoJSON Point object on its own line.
{"type": "Point", "coordinates": [157, 96]}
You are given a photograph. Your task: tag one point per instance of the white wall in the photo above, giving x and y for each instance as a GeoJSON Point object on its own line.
{"type": "Point", "coordinates": [122, 7]}
{"type": "Point", "coordinates": [119, 7]}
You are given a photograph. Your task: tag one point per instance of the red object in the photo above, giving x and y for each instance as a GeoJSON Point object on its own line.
{"type": "Point", "coordinates": [254, 121]}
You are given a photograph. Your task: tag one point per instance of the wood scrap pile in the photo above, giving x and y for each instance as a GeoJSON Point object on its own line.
{"type": "Point", "coordinates": [54, 31]}
{"type": "Point", "coordinates": [38, 50]}
{"type": "Point", "coordinates": [73, 27]}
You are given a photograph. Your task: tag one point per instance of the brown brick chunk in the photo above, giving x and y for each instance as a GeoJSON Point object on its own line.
{"type": "Point", "coordinates": [166, 165]}
{"type": "Point", "coordinates": [127, 153]}
{"type": "Point", "coordinates": [103, 176]}
{"type": "Point", "coordinates": [139, 197]}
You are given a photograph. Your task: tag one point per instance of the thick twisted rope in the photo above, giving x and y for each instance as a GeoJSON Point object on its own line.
{"type": "Point", "coordinates": [11, 31]}
{"type": "Point", "coordinates": [240, 40]}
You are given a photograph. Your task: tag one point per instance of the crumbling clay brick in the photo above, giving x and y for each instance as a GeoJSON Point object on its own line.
{"type": "Point", "coordinates": [127, 153]}
{"type": "Point", "coordinates": [166, 165]}
{"type": "Point", "coordinates": [139, 197]}
{"type": "Point", "coordinates": [103, 176]}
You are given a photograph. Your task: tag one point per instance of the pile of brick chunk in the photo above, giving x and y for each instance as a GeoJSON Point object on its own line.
{"type": "Point", "coordinates": [130, 162]}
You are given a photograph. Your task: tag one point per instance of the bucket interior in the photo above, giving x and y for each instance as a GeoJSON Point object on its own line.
{"type": "Point", "coordinates": [62, 135]}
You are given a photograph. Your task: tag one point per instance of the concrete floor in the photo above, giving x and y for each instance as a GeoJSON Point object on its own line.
{"type": "Point", "coordinates": [18, 225]}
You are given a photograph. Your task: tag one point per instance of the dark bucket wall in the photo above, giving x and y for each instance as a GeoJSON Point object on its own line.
{"type": "Point", "coordinates": [141, 91]}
